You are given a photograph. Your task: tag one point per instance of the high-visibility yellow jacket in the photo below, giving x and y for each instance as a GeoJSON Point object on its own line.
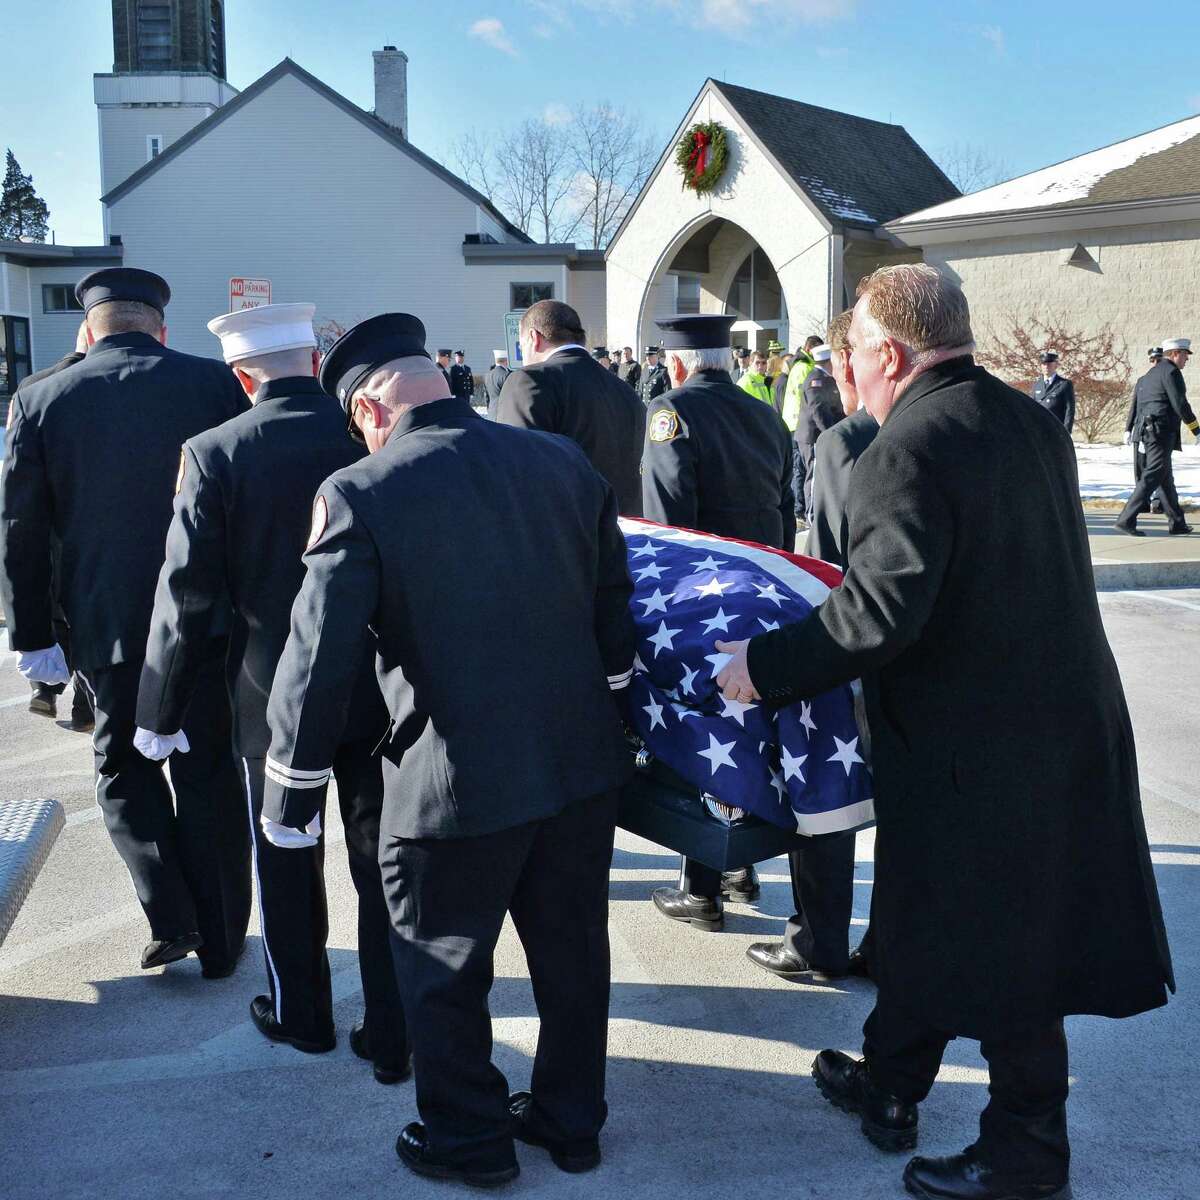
{"type": "Point", "coordinates": [755, 385]}
{"type": "Point", "coordinates": [793, 396]}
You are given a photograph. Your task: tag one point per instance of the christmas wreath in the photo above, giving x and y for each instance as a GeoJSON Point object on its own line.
{"type": "Point", "coordinates": [701, 156]}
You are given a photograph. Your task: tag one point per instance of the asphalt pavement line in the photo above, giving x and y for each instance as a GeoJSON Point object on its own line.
{"type": "Point", "coordinates": [25, 760]}
{"type": "Point", "coordinates": [1165, 600]}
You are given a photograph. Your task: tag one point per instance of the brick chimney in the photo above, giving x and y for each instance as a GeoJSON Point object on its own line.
{"type": "Point", "coordinates": [391, 88]}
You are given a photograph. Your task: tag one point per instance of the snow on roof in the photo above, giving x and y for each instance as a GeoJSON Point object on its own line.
{"type": "Point", "coordinates": [1068, 182]}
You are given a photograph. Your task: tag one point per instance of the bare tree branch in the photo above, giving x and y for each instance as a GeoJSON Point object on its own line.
{"type": "Point", "coordinates": [971, 167]}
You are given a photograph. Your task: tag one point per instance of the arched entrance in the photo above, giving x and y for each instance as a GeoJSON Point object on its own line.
{"type": "Point", "coordinates": [716, 266]}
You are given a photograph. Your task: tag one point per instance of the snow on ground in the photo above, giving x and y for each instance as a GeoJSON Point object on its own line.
{"type": "Point", "coordinates": [1106, 472]}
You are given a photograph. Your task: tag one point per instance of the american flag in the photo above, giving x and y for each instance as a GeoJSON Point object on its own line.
{"type": "Point", "coordinates": [800, 766]}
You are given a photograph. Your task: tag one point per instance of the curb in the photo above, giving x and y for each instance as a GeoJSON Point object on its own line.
{"type": "Point", "coordinates": [1120, 576]}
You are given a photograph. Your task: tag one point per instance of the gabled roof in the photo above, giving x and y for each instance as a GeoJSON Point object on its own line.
{"type": "Point", "coordinates": [856, 171]}
{"type": "Point", "coordinates": [1159, 165]}
{"type": "Point", "coordinates": [373, 123]}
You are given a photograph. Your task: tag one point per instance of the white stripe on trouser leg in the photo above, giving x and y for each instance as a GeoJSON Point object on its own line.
{"type": "Point", "coordinates": [95, 749]}
{"type": "Point", "coordinates": [262, 918]}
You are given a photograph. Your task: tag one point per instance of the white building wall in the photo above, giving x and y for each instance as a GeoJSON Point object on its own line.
{"type": "Point", "coordinates": [586, 294]}
{"type": "Point", "coordinates": [123, 133]}
{"type": "Point", "coordinates": [294, 189]}
{"type": "Point", "coordinates": [53, 333]}
{"type": "Point", "coordinates": [755, 195]}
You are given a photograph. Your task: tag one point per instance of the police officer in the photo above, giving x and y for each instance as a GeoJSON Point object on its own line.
{"type": "Point", "coordinates": [654, 379]}
{"type": "Point", "coordinates": [719, 461]}
{"type": "Point", "coordinates": [462, 381]}
{"type": "Point", "coordinates": [630, 369]}
{"type": "Point", "coordinates": [822, 410]}
{"type": "Point", "coordinates": [1162, 407]}
{"type": "Point", "coordinates": [506, 747]}
{"type": "Point", "coordinates": [241, 523]}
{"type": "Point", "coordinates": [1054, 392]}
{"type": "Point", "coordinates": [92, 461]}
{"type": "Point", "coordinates": [493, 381]}
{"type": "Point", "coordinates": [1153, 355]}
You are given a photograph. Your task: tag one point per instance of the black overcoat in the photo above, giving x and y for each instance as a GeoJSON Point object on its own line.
{"type": "Point", "coordinates": [1012, 875]}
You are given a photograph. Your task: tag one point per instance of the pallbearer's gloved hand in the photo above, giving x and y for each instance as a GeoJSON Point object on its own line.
{"type": "Point", "coordinates": [44, 666]}
{"type": "Point", "coordinates": [1128, 438]}
{"type": "Point", "coordinates": [157, 746]}
{"type": "Point", "coordinates": [287, 838]}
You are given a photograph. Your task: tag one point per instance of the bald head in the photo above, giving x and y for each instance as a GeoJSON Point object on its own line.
{"type": "Point", "coordinates": [392, 390]}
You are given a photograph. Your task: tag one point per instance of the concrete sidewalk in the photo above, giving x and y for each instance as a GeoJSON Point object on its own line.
{"type": "Point", "coordinates": [1158, 560]}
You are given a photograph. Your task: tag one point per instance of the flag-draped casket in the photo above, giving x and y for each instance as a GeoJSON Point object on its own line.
{"type": "Point", "coordinates": [783, 771]}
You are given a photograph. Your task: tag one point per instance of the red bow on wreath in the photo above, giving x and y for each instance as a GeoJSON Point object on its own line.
{"type": "Point", "coordinates": [698, 159]}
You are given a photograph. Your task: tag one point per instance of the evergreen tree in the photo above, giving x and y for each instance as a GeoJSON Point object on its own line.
{"type": "Point", "coordinates": [23, 213]}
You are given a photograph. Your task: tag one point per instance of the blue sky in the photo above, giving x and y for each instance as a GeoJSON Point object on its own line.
{"type": "Point", "coordinates": [1028, 83]}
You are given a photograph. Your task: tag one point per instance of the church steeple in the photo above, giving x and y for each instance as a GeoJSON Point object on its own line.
{"type": "Point", "coordinates": [168, 36]}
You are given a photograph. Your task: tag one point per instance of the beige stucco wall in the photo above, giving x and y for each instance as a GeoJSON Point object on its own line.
{"type": "Point", "coordinates": [1145, 284]}
{"type": "Point", "coordinates": [754, 195]}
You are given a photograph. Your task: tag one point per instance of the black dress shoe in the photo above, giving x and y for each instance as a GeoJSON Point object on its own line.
{"type": "Point", "coordinates": [780, 959]}
{"type": "Point", "coordinates": [741, 886]}
{"type": "Point", "coordinates": [159, 953]}
{"type": "Point", "coordinates": [43, 702]}
{"type": "Point", "coordinates": [1180, 529]}
{"type": "Point", "coordinates": [887, 1122]}
{"type": "Point", "coordinates": [413, 1151]}
{"type": "Point", "coordinates": [386, 1071]}
{"type": "Point", "coordinates": [1132, 530]}
{"type": "Point", "coordinates": [700, 911]}
{"type": "Point", "coordinates": [964, 1177]}
{"type": "Point", "coordinates": [574, 1157]}
{"type": "Point", "coordinates": [858, 966]}
{"type": "Point", "coordinates": [263, 1015]}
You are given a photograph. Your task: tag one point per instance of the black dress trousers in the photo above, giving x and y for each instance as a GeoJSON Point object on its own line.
{"type": "Point", "coordinates": [823, 892]}
{"type": "Point", "coordinates": [1023, 1129]}
{"type": "Point", "coordinates": [189, 859]}
{"type": "Point", "coordinates": [1157, 433]}
{"type": "Point", "coordinates": [294, 914]}
{"type": "Point", "coordinates": [447, 898]}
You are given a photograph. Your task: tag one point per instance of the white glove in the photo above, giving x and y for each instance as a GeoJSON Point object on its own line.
{"type": "Point", "coordinates": [157, 746]}
{"type": "Point", "coordinates": [1128, 438]}
{"type": "Point", "coordinates": [287, 838]}
{"type": "Point", "coordinates": [44, 666]}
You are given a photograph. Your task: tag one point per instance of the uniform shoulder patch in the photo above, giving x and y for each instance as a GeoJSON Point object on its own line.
{"type": "Point", "coordinates": [182, 472]}
{"type": "Point", "coordinates": [320, 519]}
{"type": "Point", "coordinates": [664, 425]}
{"type": "Point", "coordinates": [816, 383]}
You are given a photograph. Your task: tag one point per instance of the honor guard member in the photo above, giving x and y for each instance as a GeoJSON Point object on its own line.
{"type": "Point", "coordinates": [630, 369]}
{"type": "Point", "coordinates": [506, 747]}
{"type": "Point", "coordinates": [719, 461]}
{"type": "Point", "coordinates": [443, 363]}
{"type": "Point", "coordinates": [93, 455]}
{"type": "Point", "coordinates": [1054, 392]}
{"type": "Point", "coordinates": [1153, 355]}
{"type": "Point", "coordinates": [822, 409]}
{"type": "Point", "coordinates": [654, 380]}
{"type": "Point", "coordinates": [600, 354]}
{"type": "Point", "coordinates": [242, 518]}
{"type": "Point", "coordinates": [493, 381]}
{"type": "Point", "coordinates": [462, 381]}
{"type": "Point", "coordinates": [563, 389]}
{"type": "Point", "coordinates": [1162, 407]}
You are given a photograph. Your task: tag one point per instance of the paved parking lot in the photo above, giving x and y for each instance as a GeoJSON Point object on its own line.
{"type": "Point", "coordinates": [123, 1085]}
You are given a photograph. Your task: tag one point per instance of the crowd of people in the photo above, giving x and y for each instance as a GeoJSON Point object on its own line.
{"type": "Point", "coordinates": [270, 569]}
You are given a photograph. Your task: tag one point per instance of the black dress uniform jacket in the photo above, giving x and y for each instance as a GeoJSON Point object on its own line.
{"type": "Point", "coordinates": [93, 455]}
{"type": "Point", "coordinates": [503, 713]}
{"type": "Point", "coordinates": [1013, 878]}
{"type": "Point", "coordinates": [1059, 397]}
{"type": "Point", "coordinates": [821, 410]}
{"type": "Point", "coordinates": [837, 450]}
{"type": "Point", "coordinates": [630, 372]}
{"type": "Point", "coordinates": [462, 382]}
{"type": "Point", "coordinates": [572, 394]}
{"type": "Point", "coordinates": [652, 383]}
{"type": "Point", "coordinates": [493, 383]}
{"type": "Point", "coordinates": [718, 460]}
{"type": "Point", "coordinates": [221, 543]}
{"type": "Point", "coordinates": [1161, 395]}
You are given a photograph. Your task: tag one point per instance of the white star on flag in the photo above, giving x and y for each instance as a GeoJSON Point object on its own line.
{"type": "Point", "coordinates": [769, 593]}
{"type": "Point", "coordinates": [682, 710]}
{"type": "Point", "coordinates": [652, 571]}
{"type": "Point", "coordinates": [737, 710]}
{"type": "Point", "coordinates": [791, 766]}
{"type": "Point", "coordinates": [720, 621]}
{"type": "Point", "coordinates": [718, 754]}
{"type": "Point", "coordinates": [638, 665]}
{"type": "Point", "coordinates": [768, 625]}
{"type": "Point", "coordinates": [718, 661]}
{"type": "Point", "coordinates": [846, 753]}
{"type": "Point", "coordinates": [664, 638]}
{"type": "Point", "coordinates": [714, 587]}
{"type": "Point", "coordinates": [806, 717]}
{"type": "Point", "coordinates": [656, 603]}
{"type": "Point", "coordinates": [778, 784]}
{"type": "Point", "coordinates": [710, 564]}
{"type": "Point", "coordinates": [689, 677]}
{"type": "Point", "coordinates": [649, 550]}
{"type": "Point", "coordinates": [655, 710]}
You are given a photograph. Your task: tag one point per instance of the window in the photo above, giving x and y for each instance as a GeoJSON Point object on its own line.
{"type": "Point", "coordinates": [154, 145]}
{"type": "Point", "coordinates": [59, 298]}
{"type": "Point", "coordinates": [153, 36]}
{"type": "Point", "coordinates": [526, 295]}
{"type": "Point", "coordinates": [755, 293]}
{"type": "Point", "coordinates": [687, 296]}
